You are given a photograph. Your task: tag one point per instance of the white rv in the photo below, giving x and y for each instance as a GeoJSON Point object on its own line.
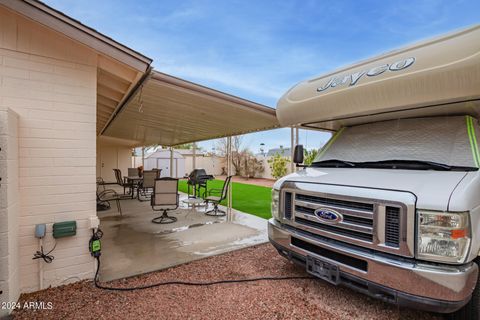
{"type": "Point", "coordinates": [391, 205]}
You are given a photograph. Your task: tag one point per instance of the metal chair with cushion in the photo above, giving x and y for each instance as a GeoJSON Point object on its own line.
{"type": "Point", "coordinates": [222, 195]}
{"type": "Point", "coordinates": [123, 183]}
{"type": "Point", "coordinates": [132, 172]}
{"type": "Point", "coordinates": [145, 188]}
{"type": "Point", "coordinates": [165, 197]}
{"type": "Point", "coordinates": [104, 196]}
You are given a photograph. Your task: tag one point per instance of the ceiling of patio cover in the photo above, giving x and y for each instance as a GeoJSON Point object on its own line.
{"type": "Point", "coordinates": [169, 111]}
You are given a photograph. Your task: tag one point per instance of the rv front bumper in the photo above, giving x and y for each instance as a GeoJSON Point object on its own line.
{"type": "Point", "coordinates": [405, 282]}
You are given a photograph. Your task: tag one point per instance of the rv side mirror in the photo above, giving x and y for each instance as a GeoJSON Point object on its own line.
{"type": "Point", "coordinates": [298, 154]}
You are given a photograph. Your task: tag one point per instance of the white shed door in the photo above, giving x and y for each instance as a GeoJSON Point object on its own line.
{"type": "Point", "coordinates": [164, 164]}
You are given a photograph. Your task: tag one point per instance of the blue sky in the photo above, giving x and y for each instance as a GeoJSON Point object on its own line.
{"type": "Point", "coordinates": [259, 49]}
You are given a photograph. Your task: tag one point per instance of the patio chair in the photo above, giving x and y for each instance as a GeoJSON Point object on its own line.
{"type": "Point", "coordinates": [104, 196]}
{"type": "Point", "coordinates": [132, 172]}
{"type": "Point", "coordinates": [222, 195]}
{"type": "Point", "coordinates": [100, 184]}
{"type": "Point", "coordinates": [146, 186]}
{"type": "Point", "coordinates": [159, 172]}
{"type": "Point", "coordinates": [124, 183]}
{"type": "Point", "coordinates": [165, 197]}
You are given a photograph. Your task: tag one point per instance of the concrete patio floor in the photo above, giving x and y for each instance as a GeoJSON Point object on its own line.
{"type": "Point", "coordinates": [133, 245]}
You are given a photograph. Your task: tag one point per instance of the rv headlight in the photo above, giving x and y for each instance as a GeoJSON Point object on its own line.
{"type": "Point", "coordinates": [275, 200]}
{"type": "Point", "coordinates": [443, 236]}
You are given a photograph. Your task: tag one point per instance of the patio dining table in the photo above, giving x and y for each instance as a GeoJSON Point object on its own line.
{"type": "Point", "coordinates": [135, 180]}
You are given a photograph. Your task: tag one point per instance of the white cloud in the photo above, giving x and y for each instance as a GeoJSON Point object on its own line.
{"type": "Point", "coordinates": [233, 79]}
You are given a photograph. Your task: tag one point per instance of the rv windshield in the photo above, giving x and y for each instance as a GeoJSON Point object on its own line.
{"type": "Point", "coordinates": [439, 143]}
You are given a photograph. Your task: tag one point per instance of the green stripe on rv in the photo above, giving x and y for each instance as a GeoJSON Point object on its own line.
{"type": "Point", "coordinates": [332, 140]}
{"type": "Point", "coordinates": [473, 141]}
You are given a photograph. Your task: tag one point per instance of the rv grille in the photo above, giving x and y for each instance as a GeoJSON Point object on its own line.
{"type": "Point", "coordinates": [288, 205]}
{"type": "Point", "coordinates": [335, 229]}
{"type": "Point", "coordinates": [357, 220]}
{"type": "Point", "coordinates": [335, 202]}
{"type": "Point", "coordinates": [366, 222]}
{"type": "Point", "coordinates": [392, 227]}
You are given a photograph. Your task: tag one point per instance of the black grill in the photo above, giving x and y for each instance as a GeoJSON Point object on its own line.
{"type": "Point", "coordinates": [336, 230]}
{"type": "Point", "coordinates": [198, 176]}
{"type": "Point", "coordinates": [288, 205]}
{"type": "Point", "coordinates": [335, 202]}
{"type": "Point", "coordinates": [392, 227]}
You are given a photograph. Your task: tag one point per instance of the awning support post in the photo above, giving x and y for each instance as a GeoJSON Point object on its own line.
{"type": "Point", "coordinates": [294, 132]}
{"type": "Point", "coordinates": [296, 143]}
{"type": "Point", "coordinates": [292, 147]}
{"type": "Point", "coordinates": [171, 162]}
{"type": "Point", "coordinates": [143, 157]}
{"type": "Point", "coordinates": [194, 156]}
{"type": "Point", "coordinates": [229, 173]}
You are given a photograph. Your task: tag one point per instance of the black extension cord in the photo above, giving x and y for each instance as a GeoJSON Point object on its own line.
{"type": "Point", "coordinates": [47, 257]}
{"type": "Point", "coordinates": [97, 235]}
{"type": "Point", "coordinates": [192, 283]}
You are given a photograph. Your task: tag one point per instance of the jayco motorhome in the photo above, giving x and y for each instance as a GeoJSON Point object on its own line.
{"type": "Point", "coordinates": [391, 205]}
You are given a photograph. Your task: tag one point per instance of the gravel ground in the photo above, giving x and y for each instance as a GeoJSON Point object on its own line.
{"type": "Point", "coordinates": [290, 299]}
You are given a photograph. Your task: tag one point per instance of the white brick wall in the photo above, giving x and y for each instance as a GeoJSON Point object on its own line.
{"type": "Point", "coordinates": [50, 81]}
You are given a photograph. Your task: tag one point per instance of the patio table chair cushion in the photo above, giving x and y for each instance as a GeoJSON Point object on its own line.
{"type": "Point", "coordinates": [148, 183]}
{"type": "Point", "coordinates": [125, 184]}
{"type": "Point", "coordinates": [132, 172]}
{"type": "Point", "coordinates": [165, 197]}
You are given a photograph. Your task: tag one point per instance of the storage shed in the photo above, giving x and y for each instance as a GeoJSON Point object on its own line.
{"type": "Point", "coordinates": [160, 159]}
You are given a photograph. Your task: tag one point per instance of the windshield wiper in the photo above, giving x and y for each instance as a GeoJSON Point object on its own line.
{"type": "Point", "coordinates": [333, 163]}
{"type": "Point", "coordinates": [413, 165]}
{"type": "Point", "coordinates": [392, 164]}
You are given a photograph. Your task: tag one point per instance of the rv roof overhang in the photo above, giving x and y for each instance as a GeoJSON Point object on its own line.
{"type": "Point", "coordinates": [168, 111]}
{"type": "Point", "coordinates": [435, 77]}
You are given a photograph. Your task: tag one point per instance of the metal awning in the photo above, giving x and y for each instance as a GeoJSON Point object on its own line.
{"type": "Point", "coordinates": [169, 111]}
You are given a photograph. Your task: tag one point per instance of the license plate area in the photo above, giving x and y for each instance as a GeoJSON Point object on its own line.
{"type": "Point", "coordinates": [323, 270]}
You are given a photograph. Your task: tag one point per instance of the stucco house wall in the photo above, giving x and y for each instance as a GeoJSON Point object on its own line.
{"type": "Point", "coordinates": [50, 81]}
{"type": "Point", "coordinates": [112, 155]}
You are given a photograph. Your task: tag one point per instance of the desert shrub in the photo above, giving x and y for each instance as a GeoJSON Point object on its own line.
{"type": "Point", "coordinates": [278, 165]}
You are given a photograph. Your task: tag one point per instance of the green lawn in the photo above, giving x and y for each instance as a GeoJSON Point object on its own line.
{"type": "Point", "coordinates": [246, 197]}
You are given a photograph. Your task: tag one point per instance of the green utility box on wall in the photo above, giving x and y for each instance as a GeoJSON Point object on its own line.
{"type": "Point", "coordinates": [64, 229]}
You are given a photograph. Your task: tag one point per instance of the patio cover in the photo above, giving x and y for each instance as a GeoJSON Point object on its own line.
{"type": "Point", "coordinates": [168, 111]}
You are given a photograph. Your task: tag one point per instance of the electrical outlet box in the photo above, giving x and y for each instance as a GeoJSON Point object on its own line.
{"type": "Point", "coordinates": [64, 229]}
{"type": "Point", "coordinates": [40, 230]}
{"type": "Point", "coordinates": [94, 222]}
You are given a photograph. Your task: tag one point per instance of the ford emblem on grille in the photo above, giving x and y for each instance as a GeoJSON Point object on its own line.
{"type": "Point", "coordinates": [328, 216]}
